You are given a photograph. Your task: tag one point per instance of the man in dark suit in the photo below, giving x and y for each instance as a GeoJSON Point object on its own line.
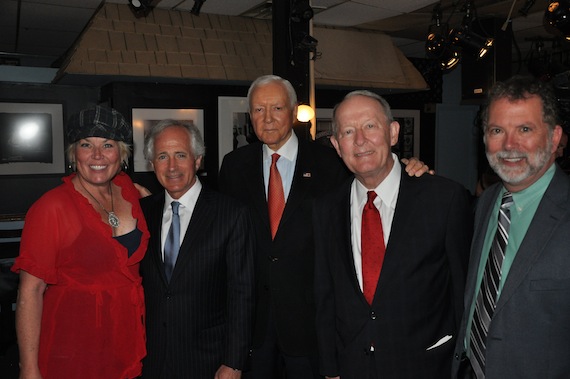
{"type": "Point", "coordinates": [200, 303]}
{"type": "Point", "coordinates": [284, 326]}
{"type": "Point", "coordinates": [524, 331]}
{"type": "Point", "coordinates": [390, 270]}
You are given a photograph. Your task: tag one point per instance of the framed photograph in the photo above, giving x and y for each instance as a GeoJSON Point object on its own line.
{"type": "Point", "coordinates": [31, 139]}
{"type": "Point", "coordinates": [409, 138]}
{"type": "Point", "coordinates": [234, 125]}
{"type": "Point", "coordinates": [145, 118]}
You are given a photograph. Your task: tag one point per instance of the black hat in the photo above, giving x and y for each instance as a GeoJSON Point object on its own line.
{"type": "Point", "coordinates": [98, 121]}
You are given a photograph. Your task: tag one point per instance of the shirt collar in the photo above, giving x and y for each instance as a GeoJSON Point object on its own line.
{"type": "Point", "coordinates": [387, 190]}
{"type": "Point", "coordinates": [533, 192]}
{"type": "Point", "coordinates": [287, 151]}
{"type": "Point", "coordinates": [186, 200]}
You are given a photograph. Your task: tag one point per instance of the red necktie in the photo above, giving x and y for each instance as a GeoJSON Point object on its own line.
{"type": "Point", "coordinates": [373, 249]}
{"type": "Point", "coordinates": [275, 198]}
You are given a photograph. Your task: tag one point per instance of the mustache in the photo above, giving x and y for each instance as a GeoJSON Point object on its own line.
{"type": "Point", "coordinates": [514, 154]}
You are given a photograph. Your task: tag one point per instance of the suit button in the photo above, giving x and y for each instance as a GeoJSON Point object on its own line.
{"type": "Point", "coordinates": [373, 315]}
{"type": "Point", "coordinates": [266, 287]}
{"type": "Point", "coordinates": [273, 259]}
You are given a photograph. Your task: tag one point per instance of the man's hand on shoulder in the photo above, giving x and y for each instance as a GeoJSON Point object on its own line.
{"type": "Point", "coordinates": [415, 167]}
{"type": "Point", "coordinates": [143, 191]}
{"type": "Point", "coordinates": [225, 372]}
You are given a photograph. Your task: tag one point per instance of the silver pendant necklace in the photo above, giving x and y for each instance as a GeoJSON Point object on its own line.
{"type": "Point", "coordinates": [112, 217]}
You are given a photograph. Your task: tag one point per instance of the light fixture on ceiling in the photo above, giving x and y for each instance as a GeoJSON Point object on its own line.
{"type": "Point", "coordinates": [557, 16]}
{"type": "Point", "coordinates": [438, 45]}
{"type": "Point", "coordinates": [464, 35]}
{"type": "Point", "coordinates": [141, 8]}
{"type": "Point", "coordinates": [197, 7]}
{"type": "Point", "coordinates": [305, 113]}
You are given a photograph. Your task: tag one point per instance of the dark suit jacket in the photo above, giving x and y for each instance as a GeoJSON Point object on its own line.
{"type": "Point", "coordinates": [284, 267]}
{"type": "Point", "coordinates": [202, 318]}
{"type": "Point", "coordinates": [529, 335]}
{"type": "Point", "coordinates": [418, 300]}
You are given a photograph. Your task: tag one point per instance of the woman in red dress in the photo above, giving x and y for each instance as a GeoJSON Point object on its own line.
{"type": "Point", "coordinates": [80, 309]}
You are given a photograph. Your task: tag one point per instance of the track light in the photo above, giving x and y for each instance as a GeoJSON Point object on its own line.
{"type": "Point", "coordinates": [464, 35]}
{"type": "Point", "coordinates": [438, 45]}
{"type": "Point", "coordinates": [450, 58]}
{"type": "Point", "coordinates": [140, 8]}
{"type": "Point", "coordinates": [197, 7]}
{"type": "Point", "coordinates": [557, 16]}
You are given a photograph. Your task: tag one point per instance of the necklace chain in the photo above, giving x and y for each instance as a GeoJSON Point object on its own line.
{"type": "Point", "coordinates": [112, 217]}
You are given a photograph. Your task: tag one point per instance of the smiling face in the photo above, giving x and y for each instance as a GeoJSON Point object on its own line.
{"type": "Point", "coordinates": [519, 146]}
{"type": "Point", "coordinates": [174, 162]}
{"type": "Point", "coordinates": [271, 114]}
{"type": "Point", "coordinates": [364, 139]}
{"type": "Point", "coordinates": [97, 159]}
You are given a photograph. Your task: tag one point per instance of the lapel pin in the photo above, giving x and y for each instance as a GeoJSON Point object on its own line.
{"type": "Point", "coordinates": [306, 175]}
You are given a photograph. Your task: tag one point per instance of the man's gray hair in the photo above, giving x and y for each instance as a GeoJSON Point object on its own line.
{"type": "Point", "coordinates": [266, 79]}
{"type": "Point", "coordinates": [196, 142]}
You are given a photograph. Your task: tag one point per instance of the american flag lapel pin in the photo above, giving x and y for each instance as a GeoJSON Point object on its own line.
{"type": "Point", "coordinates": [306, 175]}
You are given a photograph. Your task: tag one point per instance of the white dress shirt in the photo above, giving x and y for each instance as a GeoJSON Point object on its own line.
{"type": "Point", "coordinates": [187, 204]}
{"type": "Point", "coordinates": [387, 192]}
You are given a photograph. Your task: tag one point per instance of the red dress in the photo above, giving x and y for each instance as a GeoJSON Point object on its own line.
{"type": "Point", "coordinates": [93, 310]}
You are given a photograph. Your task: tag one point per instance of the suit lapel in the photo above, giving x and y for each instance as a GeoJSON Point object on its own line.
{"type": "Point", "coordinates": [199, 225]}
{"type": "Point", "coordinates": [338, 217]}
{"type": "Point", "coordinates": [406, 207]}
{"type": "Point", "coordinates": [485, 208]}
{"type": "Point", "coordinates": [551, 210]}
{"type": "Point", "coordinates": [253, 175]}
{"type": "Point", "coordinates": [301, 181]}
{"type": "Point", "coordinates": [154, 223]}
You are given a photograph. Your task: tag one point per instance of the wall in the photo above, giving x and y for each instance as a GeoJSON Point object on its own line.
{"type": "Point", "coordinates": [18, 192]}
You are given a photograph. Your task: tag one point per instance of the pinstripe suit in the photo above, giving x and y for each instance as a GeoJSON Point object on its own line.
{"type": "Point", "coordinates": [202, 318]}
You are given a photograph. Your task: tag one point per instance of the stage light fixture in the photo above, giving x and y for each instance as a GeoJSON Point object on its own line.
{"type": "Point", "coordinates": [140, 8]}
{"type": "Point", "coordinates": [450, 58]}
{"type": "Point", "coordinates": [464, 35]}
{"type": "Point", "coordinates": [557, 16]}
{"type": "Point", "coordinates": [438, 45]}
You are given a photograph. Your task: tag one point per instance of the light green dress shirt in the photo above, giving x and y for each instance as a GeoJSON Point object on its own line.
{"type": "Point", "coordinates": [522, 211]}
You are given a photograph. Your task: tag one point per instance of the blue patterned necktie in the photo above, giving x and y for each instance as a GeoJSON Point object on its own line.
{"type": "Point", "coordinates": [487, 296]}
{"type": "Point", "coordinates": [172, 244]}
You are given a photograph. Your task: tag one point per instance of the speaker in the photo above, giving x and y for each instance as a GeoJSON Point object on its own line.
{"type": "Point", "coordinates": [479, 75]}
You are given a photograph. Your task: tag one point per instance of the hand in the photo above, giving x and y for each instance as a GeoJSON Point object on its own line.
{"type": "Point", "coordinates": [332, 377]}
{"type": "Point", "coordinates": [415, 167]}
{"type": "Point", "coordinates": [225, 372]}
{"type": "Point", "coordinates": [143, 191]}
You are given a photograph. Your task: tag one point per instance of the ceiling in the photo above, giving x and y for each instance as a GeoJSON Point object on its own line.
{"type": "Point", "coordinates": [38, 33]}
